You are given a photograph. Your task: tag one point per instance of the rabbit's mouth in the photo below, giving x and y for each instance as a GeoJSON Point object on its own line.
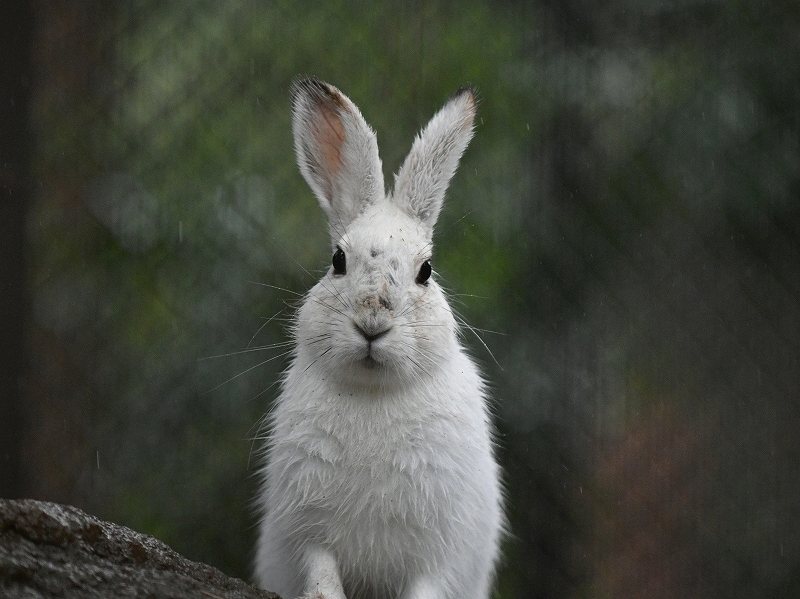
{"type": "Point", "coordinates": [372, 333]}
{"type": "Point", "coordinates": [374, 359]}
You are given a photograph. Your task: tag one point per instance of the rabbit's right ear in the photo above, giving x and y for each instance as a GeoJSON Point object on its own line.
{"type": "Point", "coordinates": [422, 181]}
{"type": "Point", "coordinates": [337, 152]}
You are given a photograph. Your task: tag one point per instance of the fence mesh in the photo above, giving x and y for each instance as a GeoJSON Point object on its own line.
{"type": "Point", "coordinates": [623, 233]}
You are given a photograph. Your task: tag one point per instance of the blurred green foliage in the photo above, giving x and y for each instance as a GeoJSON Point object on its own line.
{"type": "Point", "coordinates": [625, 229]}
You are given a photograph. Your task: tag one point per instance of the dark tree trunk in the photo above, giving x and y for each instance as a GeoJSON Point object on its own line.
{"type": "Point", "coordinates": [16, 26]}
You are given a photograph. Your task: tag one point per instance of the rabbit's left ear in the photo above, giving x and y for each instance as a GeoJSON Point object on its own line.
{"type": "Point", "coordinates": [422, 181]}
{"type": "Point", "coordinates": [336, 150]}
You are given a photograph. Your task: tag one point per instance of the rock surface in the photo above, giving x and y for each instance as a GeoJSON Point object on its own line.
{"type": "Point", "coordinates": [51, 550]}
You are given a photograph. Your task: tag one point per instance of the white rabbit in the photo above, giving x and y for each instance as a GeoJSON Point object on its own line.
{"type": "Point", "coordinates": [380, 480]}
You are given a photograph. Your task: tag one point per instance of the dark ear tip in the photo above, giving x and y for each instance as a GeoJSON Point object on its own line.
{"type": "Point", "coordinates": [306, 82]}
{"type": "Point", "coordinates": [316, 89]}
{"type": "Point", "coordinates": [467, 89]}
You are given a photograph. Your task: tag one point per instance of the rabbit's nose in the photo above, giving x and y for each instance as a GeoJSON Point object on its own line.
{"type": "Point", "coordinates": [372, 332]}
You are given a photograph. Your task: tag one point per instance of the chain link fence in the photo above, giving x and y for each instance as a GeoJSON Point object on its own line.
{"type": "Point", "coordinates": [624, 234]}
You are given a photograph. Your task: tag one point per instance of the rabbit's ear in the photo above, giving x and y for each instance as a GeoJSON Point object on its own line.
{"type": "Point", "coordinates": [336, 150]}
{"type": "Point", "coordinates": [420, 185]}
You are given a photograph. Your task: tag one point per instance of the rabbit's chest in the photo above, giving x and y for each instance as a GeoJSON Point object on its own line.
{"type": "Point", "coordinates": [378, 490]}
{"type": "Point", "coordinates": [371, 452]}
{"type": "Point", "coordinates": [376, 465]}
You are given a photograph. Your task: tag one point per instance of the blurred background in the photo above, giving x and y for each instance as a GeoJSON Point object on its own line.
{"type": "Point", "coordinates": [623, 233]}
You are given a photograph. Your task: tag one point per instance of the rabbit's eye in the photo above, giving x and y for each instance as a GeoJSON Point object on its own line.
{"type": "Point", "coordinates": [339, 262]}
{"type": "Point", "coordinates": [424, 273]}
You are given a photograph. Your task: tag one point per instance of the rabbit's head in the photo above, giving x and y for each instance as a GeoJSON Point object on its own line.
{"type": "Point", "coordinates": [378, 317]}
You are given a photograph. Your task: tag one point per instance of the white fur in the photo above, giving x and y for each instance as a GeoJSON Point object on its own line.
{"type": "Point", "coordinates": [380, 479]}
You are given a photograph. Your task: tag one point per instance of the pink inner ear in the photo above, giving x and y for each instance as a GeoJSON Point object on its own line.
{"type": "Point", "coordinates": [328, 132]}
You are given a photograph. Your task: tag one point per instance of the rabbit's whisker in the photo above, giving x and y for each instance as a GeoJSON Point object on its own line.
{"type": "Point", "coordinates": [283, 289]}
{"type": "Point", "coordinates": [248, 350]}
{"type": "Point", "coordinates": [249, 369]}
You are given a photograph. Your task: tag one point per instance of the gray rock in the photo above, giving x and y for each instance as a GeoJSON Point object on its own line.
{"type": "Point", "coordinates": [51, 550]}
